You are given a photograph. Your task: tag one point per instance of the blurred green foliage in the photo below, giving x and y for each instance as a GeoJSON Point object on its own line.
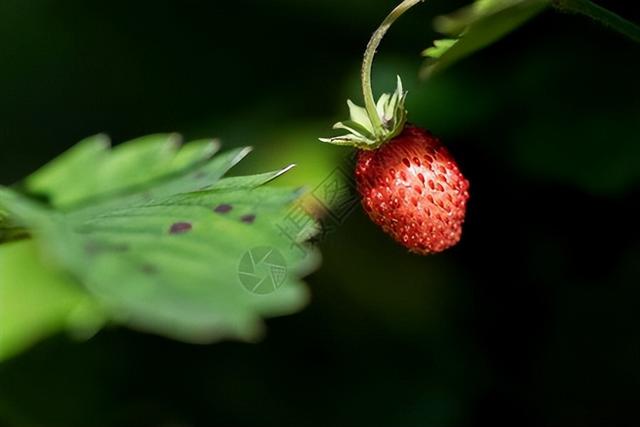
{"type": "Point", "coordinates": [476, 26]}
{"type": "Point", "coordinates": [36, 300]}
{"type": "Point", "coordinates": [153, 233]}
{"type": "Point", "coordinates": [530, 321]}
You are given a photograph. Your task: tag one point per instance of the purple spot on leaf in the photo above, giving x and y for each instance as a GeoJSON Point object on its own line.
{"type": "Point", "coordinates": [223, 208]}
{"type": "Point", "coordinates": [248, 219]}
{"type": "Point", "coordinates": [149, 269]}
{"type": "Point", "coordinates": [180, 227]}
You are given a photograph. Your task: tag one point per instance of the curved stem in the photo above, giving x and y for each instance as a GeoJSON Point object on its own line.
{"type": "Point", "coordinates": [601, 15]}
{"type": "Point", "coordinates": [367, 63]}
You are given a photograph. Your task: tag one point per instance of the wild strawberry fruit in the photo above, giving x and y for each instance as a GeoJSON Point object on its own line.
{"type": "Point", "coordinates": [413, 189]}
{"type": "Point", "coordinates": [409, 183]}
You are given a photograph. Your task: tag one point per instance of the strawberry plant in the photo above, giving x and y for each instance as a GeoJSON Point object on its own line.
{"type": "Point", "coordinates": [149, 234]}
{"type": "Point", "coordinates": [409, 184]}
{"type": "Point", "coordinates": [149, 237]}
{"type": "Point", "coordinates": [428, 308]}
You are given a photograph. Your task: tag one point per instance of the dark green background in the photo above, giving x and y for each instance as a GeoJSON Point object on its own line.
{"type": "Point", "coordinates": [532, 320]}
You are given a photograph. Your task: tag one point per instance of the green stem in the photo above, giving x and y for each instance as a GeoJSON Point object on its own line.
{"type": "Point", "coordinates": [369, 54]}
{"type": "Point", "coordinates": [602, 15]}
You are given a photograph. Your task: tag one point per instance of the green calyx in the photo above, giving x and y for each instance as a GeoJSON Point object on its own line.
{"type": "Point", "coordinates": [377, 122]}
{"type": "Point", "coordinates": [363, 133]}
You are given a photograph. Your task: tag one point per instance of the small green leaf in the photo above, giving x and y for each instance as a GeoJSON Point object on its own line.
{"type": "Point", "coordinates": [439, 48]}
{"type": "Point", "coordinates": [165, 258]}
{"type": "Point", "coordinates": [476, 27]}
{"type": "Point", "coordinates": [37, 300]}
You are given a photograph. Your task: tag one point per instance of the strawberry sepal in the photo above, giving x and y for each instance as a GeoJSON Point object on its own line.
{"type": "Point", "coordinates": [362, 133]}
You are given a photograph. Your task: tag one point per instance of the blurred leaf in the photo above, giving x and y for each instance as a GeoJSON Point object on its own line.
{"type": "Point", "coordinates": [601, 15]}
{"type": "Point", "coordinates": [36, 300]}
{"type": "Point", "coordinates": [165, 258]}
{"type": "Point", "coordinates": [440, 47]}
{"type": "Point", "coordinates": [476, 27]}
{"type": "Point", "coordinates": [91, 169]}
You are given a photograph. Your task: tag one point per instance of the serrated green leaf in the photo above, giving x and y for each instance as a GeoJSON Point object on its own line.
{"type": "Point", "coordinates": [248, 182]}
{"type": "Point", "coordinates": [476, 27]}
{"type": "Point", "coordinates": [199, 178]}
{"type": "Point", "coordinates": [69, 177]}
{"type": "Point", "coordinates": [92, 170]}
{"type": "Point", "coordinates": [165, 258]}
{"type": "Point", "coordinates": [36, 300]}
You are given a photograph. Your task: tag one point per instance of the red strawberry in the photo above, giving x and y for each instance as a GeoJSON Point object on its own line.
{"type": "Point", "coordinates": [413, 189]}
{"type": "Point", "coordinates": [409, 183]}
